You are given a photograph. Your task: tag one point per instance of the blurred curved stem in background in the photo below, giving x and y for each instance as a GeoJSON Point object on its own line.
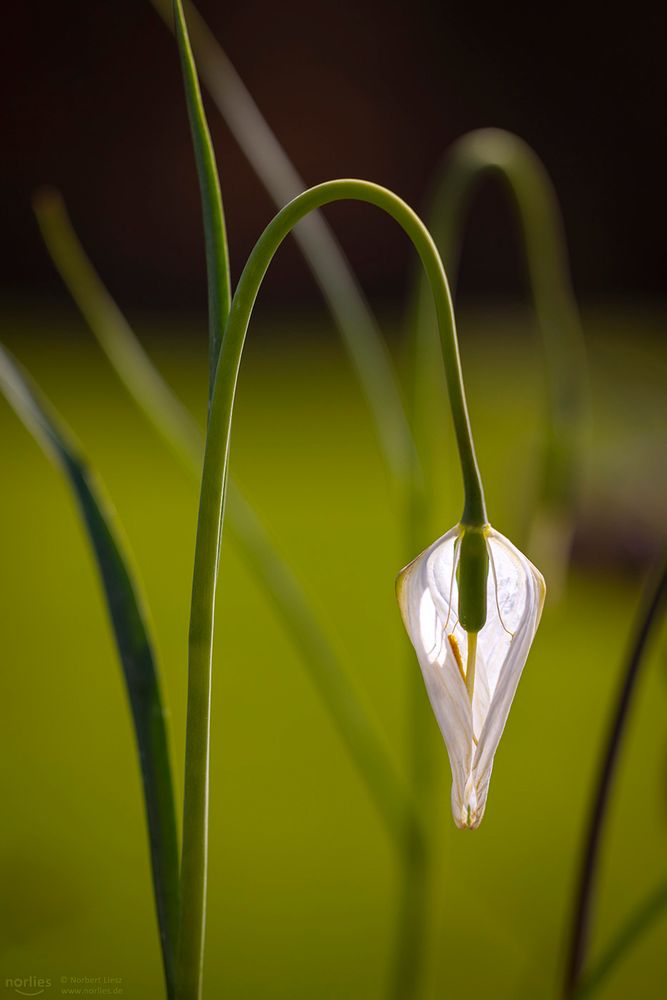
{"type": "Point", "coordinates": [648, 620]}
{"type": "Point", "coordinates": [650, 910]}
{"type": "Point", "coordinates": [496, 153]}
{"type": "Point", "coordinates": [129, 621]}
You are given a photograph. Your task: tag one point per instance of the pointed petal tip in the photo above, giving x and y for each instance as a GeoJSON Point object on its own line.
{"type": "Point", "coordinates": [468, 817]}
{"type": "Point", "coordinates": [468, 808]}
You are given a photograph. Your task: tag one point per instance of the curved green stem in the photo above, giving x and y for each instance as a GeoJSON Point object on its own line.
{"type": "Point", "coordinates": [649, 617]}
{"type": "Point", "coordinates": [211, 513]}
{"type": "Point", "coordinates": [651, 909]}
{"type": "Point", "coordinates": [219, 429]}
{"type": "Point", "coordinates": [177, 428]}
{"type": "Point", "coordinates": [370, 359]}
{"type": "Point", "coordinates": [496, 153]}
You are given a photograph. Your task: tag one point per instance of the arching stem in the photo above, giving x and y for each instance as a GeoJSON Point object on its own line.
{"type": "Point", "coordinates": [211, 513]}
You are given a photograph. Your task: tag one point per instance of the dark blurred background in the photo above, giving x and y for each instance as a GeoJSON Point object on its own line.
{"type": "Point", "coordinates": [93, 104]}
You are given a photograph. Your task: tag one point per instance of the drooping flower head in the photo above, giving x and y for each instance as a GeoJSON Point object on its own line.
{"type": "Point", "coordinates": [471, 668]}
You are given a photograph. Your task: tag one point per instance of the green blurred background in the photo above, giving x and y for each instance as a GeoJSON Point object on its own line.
{"type": "Point", "coordinates": [303, 881]}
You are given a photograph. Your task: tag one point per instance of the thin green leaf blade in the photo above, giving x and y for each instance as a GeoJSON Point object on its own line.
{"type": "Point", "coordinates": [647, 913]}
{"type": "Point", "coordinates": [356, 323]}
{"type": "Point", "coordinates": [120, 344]}
{"type": "Point", "coordinates": [133, 641]}
{"type": "Point", "coordinates": [217, 254]}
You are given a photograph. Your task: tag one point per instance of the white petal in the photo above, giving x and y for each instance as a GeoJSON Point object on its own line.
{"type": "Point", "coordinates": [520, 594]}
{"type": "Point", "coordinates": [428, 598]}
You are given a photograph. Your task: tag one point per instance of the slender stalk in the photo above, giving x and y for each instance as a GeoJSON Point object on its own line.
{"type": "Point", "coordinates": [114, 334]}
{"type": "Point", "coordinates": [194, 857]}
{"type": "Point", "coordinates": [211, 514]}
{"type": "Point", "coordinates": [648, 619]}
{"type": "Point", "coordinates": [217, 256]}
{"type": "Point", "coordinates": [370, 359]}
{"type": "Point", "coordinates": [199, 694]}
{"type": "Point", "coordinates": [215, 459]}
{"type": "Point", "coordinates": [644, 916]}
{"type": "Point", "coordinates": [349, 714]}
{"type": "Point", "coordinates": [496, 153]}
{"type": "Point", "coordinates": [134, 643]}
{"type": "Point", "coordinates": [412, 944]}
{"type": "Point", "coordinates": [322, 253]}
{"type": "Point", "coordinates": [408, 961]}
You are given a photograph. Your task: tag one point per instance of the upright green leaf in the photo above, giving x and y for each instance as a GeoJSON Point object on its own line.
{"type": "Point", "coordinates": [358, 327]}
{"type": "Point", "coordinates": [135, 647]}
{"type": "Point", "coordinates": [194, 855]}
{"type": "Point", "coordinates": [217, 255]}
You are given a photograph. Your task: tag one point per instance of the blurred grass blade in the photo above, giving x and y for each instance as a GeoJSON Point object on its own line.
{"type": "Point", "coordinates": [117, 340]}
{"type": "Point", "coordinates": [496, 153]}
{"type": "Point", "coordinates": [642, 918]}
{"type": "Point", "coordinates": [176, 426]}
{"type": "Point", "coordinates": [132, 639]}
{"type": "Point", "coordinates": [649, 617]}
{"type": "Point", "coordinates": [339, 694]}
{"type": "Point", "coordinates": [357, 326]}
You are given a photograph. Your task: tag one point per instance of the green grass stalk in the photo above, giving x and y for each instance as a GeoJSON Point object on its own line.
{"type": "Point", "coordinates": [643, 917]}
{"type": "Point", "coordinates": [649, 617]}
{"type": "Point", "coordinates": [356, 323]}
{"type": "Point", "coordinates": [370, 359]}
{"type": "Point", "coordinates": [135, 646]}
{"type": "Point", "coordinates": [215, 233]}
